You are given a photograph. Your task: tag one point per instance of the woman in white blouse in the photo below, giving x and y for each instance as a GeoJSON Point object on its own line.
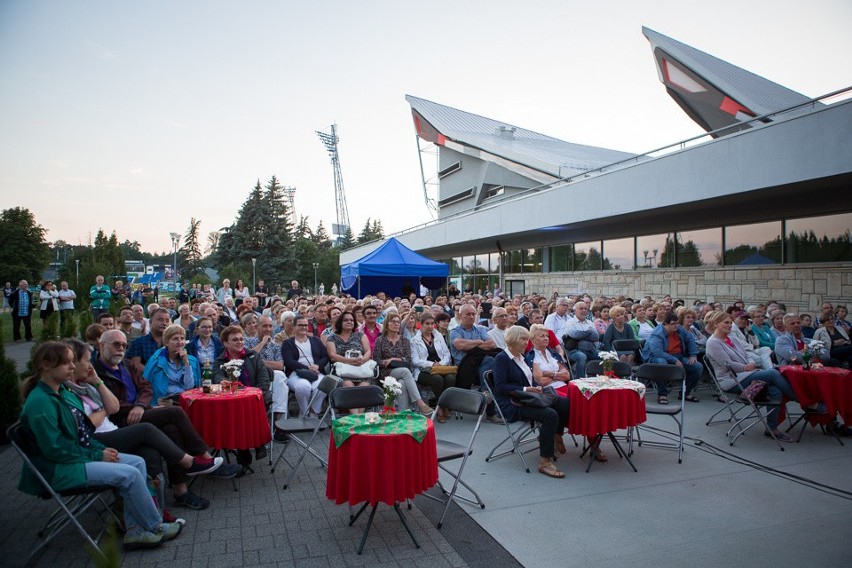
{"type": "Point", "coordinates": [428, 349]}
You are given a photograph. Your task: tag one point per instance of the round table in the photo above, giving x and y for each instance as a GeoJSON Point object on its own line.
{"type": "Point", "coordinates": [599, 414]}
{"type": "Point", "coordinates": [228, 421]}
{"type": "Point", "coordinates": [378, 468]}
{"type": "Point", "coordinates": [830, 385]}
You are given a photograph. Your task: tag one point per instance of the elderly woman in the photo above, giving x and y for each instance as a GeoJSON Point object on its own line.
{"type": "Point", "coordinates": [287, 326]}
{"type": "Point", "coordinates": [305, 359]}
{"type": "Point", "coordinates": [249, 324]}
{"type": "Point", "coordinates": [761, 328]}
{"type": "Point", "coordinates": [428, 349]}
{"type": "Point", "coordinates": [69, 457]}
{"type": "Point", "coordinates": [348, 346]}
{"type": "Point", "coordinates": [642, 328]}
{"type": "Point", "coordinates": [185, 317]}
{"type": "Point", "coordinates": [547, 365]}
{"type": "Point", "coordinates": [171, 369]}
{"type": "Point", "coordinates": [835, 339]}
{"type": "Point", "coordinates": [778, 328]}
{"type": "Point", "coordinates": [735, 370]}
{"type": "Point", "coordinates": [619, 329]}
{"type": "Point", "coordinates": [392, 352]}
{"type": "Point", "coordinates": [686, 318]}
{"type": "Point", "coordinates": [511, 373]}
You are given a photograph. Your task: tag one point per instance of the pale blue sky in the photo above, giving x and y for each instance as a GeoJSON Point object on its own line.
{"type": "Point", "coordinates": [137, 116]}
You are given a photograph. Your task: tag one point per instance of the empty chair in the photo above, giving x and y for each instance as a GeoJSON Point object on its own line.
{"type": "Point", "coordinates": [673, 375]}
{"type": "Point", "coordinates": [465, 402]}
{"type": "Point", "coordinates": [72, 503]}
{"type": "Point", "coordinates": [632, 345]}
{"type": "Point", "coordinates": [350, 398]}
{"type": "Point", "coordinates": [290, 427]}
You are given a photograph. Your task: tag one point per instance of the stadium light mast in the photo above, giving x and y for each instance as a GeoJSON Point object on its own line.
{"type": "Point", "coordinates": [330, 142]}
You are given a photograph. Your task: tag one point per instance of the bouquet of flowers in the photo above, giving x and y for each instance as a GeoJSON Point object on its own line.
{"type": "Point", "coordinates": [233, 369]}
{"type": "Point", "coordinates": [609, 358]}
{"type": "Point", "coordinates": [392, 388]}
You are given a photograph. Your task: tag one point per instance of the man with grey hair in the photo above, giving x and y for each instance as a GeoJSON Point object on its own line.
{"type": "Point", "coordinates": [500, 319]}
{"type": "Point", "coordinates": [557, 322]}
{"type": "Point", "coordinates": [271, 355]}
{"type": "Point", "coordinates": [581, 338]}
{"type": "Point", "coordinates": [472, 342]}
{"type": "Point", "coordinates": [790, 345]}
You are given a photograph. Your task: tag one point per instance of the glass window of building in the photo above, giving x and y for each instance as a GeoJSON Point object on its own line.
{"type": "Point", "coordinates": [655, 251]}
{"type": "Point", "coordinates": [494, 263]}
{"type": "Point", "coordinates": [513, 261]}
{"type": "Point", "coordinates": [532, 260]}
{"type": "Point", "coordinates": [753, 244]}
{"type": "Point", "coordinates": [587, 256]}
{"type": "Point", "coordinates": [618, 254]}
{"type": "Point", "coordinates": [560, 258]}
{"type": "Point", "coordinates": [819, 239]}
{"type": "Point", "coordinates": [699, 248]}
{"type": "Point", "coordinates": [456, 265]}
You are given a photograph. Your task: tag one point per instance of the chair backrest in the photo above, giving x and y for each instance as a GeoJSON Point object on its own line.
{"type": "Point", "coordinates": [462, 400]}
{"type": "Point", "coordinates": [625, 345]}
{"type": "Point", "coordinates": [328, 383]}
{"type": "Point", "coordinates": [658, 372]}
{"type": "Point", "coordinates": [621, 369]}
{"type": "Point", "coordinates": [24, 442]}
{"type": "Point", "coordinates": [347, 398]}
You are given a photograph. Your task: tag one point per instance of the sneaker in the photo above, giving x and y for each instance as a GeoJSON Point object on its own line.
{"type": "Point", "coordinates": [201, 465]}
{"type": "Point", "coordinates": [169, 518]}
{"type": "Point", "coordinates": [191, 500]}
{"type": "Point", "coordinates": [227, 471]}
{"type": "Point", "coordinates": [780, 436]}
{"type": "Point", "coordinates": [169, 530]}
{"type": "Point", "coordinates": [139, 539]}
{"type": "Point", "coordinates": [494, 419]}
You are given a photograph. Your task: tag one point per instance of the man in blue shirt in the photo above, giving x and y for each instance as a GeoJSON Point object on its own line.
{"type": "Point", "coordinates": [468, 336]}
{"type": "Point", "coordinates": [21, 305]}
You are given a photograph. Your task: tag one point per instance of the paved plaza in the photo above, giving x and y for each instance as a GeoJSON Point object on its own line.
{"type": "Point", "coordinates": [721, 507]}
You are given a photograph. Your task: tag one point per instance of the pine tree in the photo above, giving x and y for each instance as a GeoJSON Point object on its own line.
{"type": "Point", "coordinates": [278, 259]}
{"type": "Point", "coordinates": [347, 240]}
{"type": "Point", "coordinates": [190, 252]}
{"type": "Point", "coordinates": [376, 230]}
{"type": "Point", "coordinates": [212, 241]}
{"type": "Point", "coordinates": [366, 234]}
{"type": "Point", "coordinates": [247, 233]}
{"type": "Point", "coordinates": [321, 236]}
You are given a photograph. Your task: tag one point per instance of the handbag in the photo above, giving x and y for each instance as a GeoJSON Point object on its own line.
{"type": "Point", "coordinates": [397, 365]}
{"type": "Point", "coordinates": [307, 374]}
{"type": "Point", "coordinates": [753, 391]}
{"type": "Point", "coordinates": [533, 399]}
{"type": "Point", "coordinates": [443, 370]}
{"type": "Point", "coordinates": [358, 372]}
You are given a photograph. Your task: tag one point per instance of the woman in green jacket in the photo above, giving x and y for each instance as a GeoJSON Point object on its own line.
{"type": "Point", "coordinates": [69, 457]}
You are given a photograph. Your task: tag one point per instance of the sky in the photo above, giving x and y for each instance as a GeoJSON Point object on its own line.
{"type": "Point", "coordinates": [136, 117]}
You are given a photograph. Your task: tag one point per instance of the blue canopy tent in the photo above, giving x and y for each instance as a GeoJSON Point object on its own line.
{"type": "Point", "coordinates": [392, 268]}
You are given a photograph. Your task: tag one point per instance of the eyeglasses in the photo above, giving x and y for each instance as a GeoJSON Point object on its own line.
{"type": "Point", "coordinates": [118, 345]}
{"type": "Point", "coordinates": [301, 325]}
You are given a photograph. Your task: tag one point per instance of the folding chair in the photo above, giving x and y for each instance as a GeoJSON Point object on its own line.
{"type": "Point", "coordinates": [349, 398]}
{"type": "Point", "coordinates": [629, 345]}
{"type": "Point", "coordinates": [519, 437]}
{"type": "Point", "coordinates": [732, 398]}
{"type": "Point", "coordinates": [652, 372]}
{"type": "Point", "coordinates": [293, 426]}
{"type": "Point", "coordinates": [621, 369]}
{"type": "Point", "coordinates": [72, 503]}
{"type": "Point", "coordinates": [466, 402]}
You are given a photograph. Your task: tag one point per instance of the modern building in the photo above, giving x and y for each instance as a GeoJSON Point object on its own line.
{"type": "Point", "coordinates": [759, 208]}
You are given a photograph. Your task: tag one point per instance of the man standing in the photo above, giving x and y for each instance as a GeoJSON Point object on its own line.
{"type": "Point", "coordinates": [21, 304]}
{"type": "Point", "coordinates": [66, 302]}
{"type": "Point", "coordinates": [671, 344]}
{"type": "Point", "coordinates": [471, 343]}
{"type": "Point", "coordinates": [261, 292]}
{"type": "Point", "coordinates": [294, 290]}
{"type": "Point", "coordinates": [582, 335]}
{"type": "Point", "coordinates": [144, 347]}
{"type": "Point", "coordinates": [100, 294]}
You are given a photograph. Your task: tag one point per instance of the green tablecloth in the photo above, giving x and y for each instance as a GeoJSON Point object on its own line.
{"type": "Point", "coordinates": [405, 422]}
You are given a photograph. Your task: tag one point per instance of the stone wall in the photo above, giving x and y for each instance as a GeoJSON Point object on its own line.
{"type": "Point", "coordinates": [801, 287]}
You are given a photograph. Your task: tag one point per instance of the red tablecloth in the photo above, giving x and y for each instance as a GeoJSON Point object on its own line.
{"type": "Point", "coordinates": [228, 421]}
{"type": "Point", "coordinates": [830, 385]}
{"type": "Point", "coordinates": [606, 411]}
{"type": "Point", "coordinates": [386, 468]}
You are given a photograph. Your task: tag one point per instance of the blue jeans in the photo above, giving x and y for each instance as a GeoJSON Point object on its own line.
{"type": "Point", "coordinates": [128, 476]}
{"type": "Point", "coordinates": [580, 358]}
{"type": "Point", "coordinates": [693, 374]}
{"type": "Point", "coordinates": [776, 385]}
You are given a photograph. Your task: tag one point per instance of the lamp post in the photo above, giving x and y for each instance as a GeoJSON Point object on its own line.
{"type": "Point", "coordinates": [77, 260]}
{"type": "Point", "coordinates": [254, 273]}
{"type": "Point", "coordinates": [316, 267]}
{"type": "Point", "coordinates": [175, 239]}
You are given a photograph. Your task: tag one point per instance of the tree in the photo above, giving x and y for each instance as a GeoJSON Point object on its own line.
{"type": "Point", "coordinates": [212, 241]}
{"type": "Point", "coordinates": [108, 255]}
{"type": "Point", "coordinates": [277, 259]}
{"type": "Point", "coordinates": [190, 252]}
{"type": "Point", "coordinates": [347, 240]}
{"type": "Point", "coordinates": [321, 236]}
{"type": "Point", "coordinates": [23, 251]}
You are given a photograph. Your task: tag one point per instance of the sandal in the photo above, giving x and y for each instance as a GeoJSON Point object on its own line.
{"type": "Point", "coordinates": [548, 468]}
{"type": "Point", "coordinates": [559, 444]}
{"type": "Point", "coordinates": [690, 397]}
{"type": "Point", "coordinates": [662, 399]}
{"type": "Point", "coordinates": [601, 457]}
{"type": "Point", "coordinates": [442, 418]}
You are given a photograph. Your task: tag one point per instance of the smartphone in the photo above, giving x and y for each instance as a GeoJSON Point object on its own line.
{"type": "Point", "coordinates": [418, 308]}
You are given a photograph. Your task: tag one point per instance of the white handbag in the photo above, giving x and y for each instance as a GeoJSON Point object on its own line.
{"type": "Point", "coordinates": [357, 372]}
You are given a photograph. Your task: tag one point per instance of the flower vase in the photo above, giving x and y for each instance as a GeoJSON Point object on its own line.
{"type": "Point", "coordinates": [389, 409]}
{"type": "Point", "coordinates": [610, 373]}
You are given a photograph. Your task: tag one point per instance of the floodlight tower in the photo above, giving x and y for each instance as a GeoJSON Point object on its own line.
{"type": "Point", "coordinates": [290, 196]}
{"type": "Point", "coordinates": [330, 143]}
